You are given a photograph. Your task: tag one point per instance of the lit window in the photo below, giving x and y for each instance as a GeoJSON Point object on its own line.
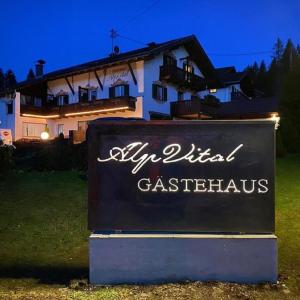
{"type": "Point", "coordinates": [60, 129]}
{"type": "Point", "coordinates": [82, 126]}
{"type": "Point", "coordinates": [213, 91]}
{"type": "Point", "coordinates": [32, 129]}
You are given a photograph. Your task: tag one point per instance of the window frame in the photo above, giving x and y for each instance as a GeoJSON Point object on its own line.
{"type": "Point", "coordinates": [80, 94]}
{"type": "Point", "coordinates": [82, 122]}
{"type": "Point", "coordinates": [91, 91]}
{"type": "Point", "coordinates": [163, 95]}
{"type": "Point", "coordinates": [9, 108]}
{"type": "Point", "coordinates": [112, 91]}
{"type": "Point", "coordinates": [58, 129]}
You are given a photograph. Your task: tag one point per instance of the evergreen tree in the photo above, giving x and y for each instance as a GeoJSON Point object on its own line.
{"type": "Point", "coordinates": [30, 75]}
{"type": "Point", "coordinates": [290, 109]}
{"type": "Point", "coordinates": [278, 50]}
{"type": "Point", "coordinates": [10, 80]}
{"type": "Point", "coordinates": [298, 49]}
{"type": "Point", "coordinates": [262, 67]}
{"type": "Point", "coordinates": [255, 68]}
{"type": "Point", "coordinates": [261, 77]}
{"type": "Point", "coordinates": [289, 57]}
{"type": "Point", "coordinates": [2, 81]}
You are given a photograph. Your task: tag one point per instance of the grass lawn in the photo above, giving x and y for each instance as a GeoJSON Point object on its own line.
{"type": "Point", "coordinates": [44, 250]}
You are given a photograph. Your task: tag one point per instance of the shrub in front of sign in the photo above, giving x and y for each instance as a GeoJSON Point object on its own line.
{"type": "Point", "coordinates": [280, 149]}
{"type": "Point", "coordinates": [6, 160]}
{"type": "Point", "coordinates": [56, 155]}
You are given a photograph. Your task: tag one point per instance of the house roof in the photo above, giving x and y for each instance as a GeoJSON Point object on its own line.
{"type": "Point", "coordinates": [190, 42]}
{"type": "Point", "coordinates": [229, 75]}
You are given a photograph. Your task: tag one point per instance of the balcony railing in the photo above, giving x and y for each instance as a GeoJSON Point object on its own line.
{"type": "Point", "coordinates": [178, 76]}
{"type": "Point", "coordinates": [80, 108]}
{"type": "Point", "coordinates": [191, 108]}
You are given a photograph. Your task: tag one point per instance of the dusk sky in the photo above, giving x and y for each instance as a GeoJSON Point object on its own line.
{"type": "Point", "coordinates": [66, 33]}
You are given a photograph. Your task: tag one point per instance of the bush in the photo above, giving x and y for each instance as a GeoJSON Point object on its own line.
{"type": "Point", "coordinates": [289, 133]}
{"type": "Point", "coordinates": [52, 155]}
{"type": "Point", "coordinates": [280, 149]}
{"type": "Point", "coordinates": [211, 100]}
{"type": "Point", "coordinates": [6, 161]}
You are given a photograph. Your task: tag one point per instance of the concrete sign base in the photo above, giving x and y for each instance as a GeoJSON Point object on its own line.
{"type": "Point", "coordinates": [162, 258]}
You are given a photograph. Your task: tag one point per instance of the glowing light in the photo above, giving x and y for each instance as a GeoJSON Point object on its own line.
{"type": "Point", "coordinates": [96, 111]}
{"type": "Point", "coordinates": [170, 154]}
{"type": "Point", "coordinates": [213, 91]}
{"type": "Point", "coordinates": [40, 116]}
{"type": "Point", "coordinates": [45, 134]}
{"type": "Point", "coordinates": [275, 117]}
{"type": "Point", "coordinates": [76, 113]}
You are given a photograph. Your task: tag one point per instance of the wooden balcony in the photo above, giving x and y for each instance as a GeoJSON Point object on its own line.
{"type": "Point", "coordinates": [191, 109]}
{"type": "Point", "coordinates": [80, 108]}
{"type": "Point", "coordinates": [177, 76]}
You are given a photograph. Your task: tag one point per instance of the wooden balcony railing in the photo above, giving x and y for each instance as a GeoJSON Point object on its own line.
{"type": "Point", "coordinates": [80, 108]}
{"type": "Point", "coordinates": [191, 108]}
{"type": "Point", "coordinates": [175, 75]}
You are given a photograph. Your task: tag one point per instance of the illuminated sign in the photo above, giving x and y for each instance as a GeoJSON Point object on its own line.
{"type": "Point", "coordinates": [206, 176]}
{"type": "Point", "coordinates": [6, 136]}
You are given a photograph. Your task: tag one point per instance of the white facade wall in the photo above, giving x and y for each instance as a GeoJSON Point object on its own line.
{"type": "Point", "coordinates": [151, 76]}
{"type": "Point", "coordinates": [224, 94]}
{"type": "Point", "coordinates": [107, 78]}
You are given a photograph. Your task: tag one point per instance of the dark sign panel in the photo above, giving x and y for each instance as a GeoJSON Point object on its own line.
{"type": "Point", "coordinates": [181, 176]}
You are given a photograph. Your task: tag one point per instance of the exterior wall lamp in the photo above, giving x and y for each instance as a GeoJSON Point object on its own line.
{"type": "Point", "coordinates": [275, 117]}
{"type": "Point", "coordinates": [45, 134]}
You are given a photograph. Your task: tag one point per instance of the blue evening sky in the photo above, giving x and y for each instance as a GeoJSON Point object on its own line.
{"type": "Point", "coordinates": [66, 33]}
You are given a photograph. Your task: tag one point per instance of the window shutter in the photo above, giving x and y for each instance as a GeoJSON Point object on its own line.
{"type": "Point", "coordinates": [126, 90]}
{"type": "Point", "coordinates": [165, 94]}
{"type": "Point", "coordinates": [79, 93]}
{"type": "Point", "coordinates": [154, 91]}
{"type": "Point", "coordinates": [112, 92]}
{"type": "Point", "coordinates": [66, 99]}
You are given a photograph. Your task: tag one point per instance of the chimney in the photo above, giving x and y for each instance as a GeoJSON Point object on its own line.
{"type": "Point", "coordinates": [39, 68]}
